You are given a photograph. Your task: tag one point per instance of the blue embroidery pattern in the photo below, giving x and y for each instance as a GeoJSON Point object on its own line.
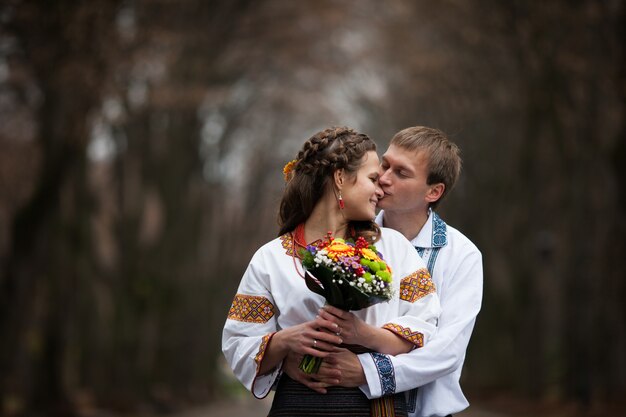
{"type": "Point", "coordinates": [432, 259]}
{"type": "Point", "coordinates": [385, 373]}
{"type": "Point", "coordinates": [429, 255]}
{"type": "Point", "coordinates": [440, 237]}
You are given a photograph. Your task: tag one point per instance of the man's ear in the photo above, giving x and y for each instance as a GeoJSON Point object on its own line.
{"type": "Point", "coordinates": [435, 192]}
{"type": "Point", "coordinates": [338, 176]}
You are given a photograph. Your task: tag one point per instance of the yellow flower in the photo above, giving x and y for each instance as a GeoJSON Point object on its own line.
{"type": "Point", "coordinates": [370, 254]}
{"type": "Point", "coordinates": [339, 248]}
{"type": "Point", "coordinates": [288, 169]}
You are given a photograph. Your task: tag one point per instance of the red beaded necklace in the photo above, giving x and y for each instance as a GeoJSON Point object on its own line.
{"type": "Point", "coordinates": [298, 236]}
{"type": "Point", "coordinates": [298, 241]}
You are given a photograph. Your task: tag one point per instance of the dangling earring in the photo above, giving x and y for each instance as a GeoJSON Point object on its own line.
{"type": "Point", "coordinates": [341, 204]}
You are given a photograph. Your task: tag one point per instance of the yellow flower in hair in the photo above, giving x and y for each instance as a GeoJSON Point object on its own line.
{"type": "Point", "coordinates": [288, 169]}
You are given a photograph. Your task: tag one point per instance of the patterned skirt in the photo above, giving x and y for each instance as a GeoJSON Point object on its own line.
{"type": "Point", "coordinates": [293, 399]}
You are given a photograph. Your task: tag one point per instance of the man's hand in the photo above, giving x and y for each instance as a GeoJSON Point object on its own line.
{"type": "Point", "coordinates": [340, 368]}
{"type": "Point", "coordinates": [325, 377]}
{"type": "Point", "coordinates": [349, 367]}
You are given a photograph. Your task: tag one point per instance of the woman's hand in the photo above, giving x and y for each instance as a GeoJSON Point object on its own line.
{"type": "Point", "coordinates": [352, 329]}
{"type": "Point", "coordinates": [317, 337]}
{"type": "Point", "coordinates": [355, 331]}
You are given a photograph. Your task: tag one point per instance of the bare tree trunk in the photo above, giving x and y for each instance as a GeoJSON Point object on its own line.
{"type": "Point", "coordinates": [49, 240]}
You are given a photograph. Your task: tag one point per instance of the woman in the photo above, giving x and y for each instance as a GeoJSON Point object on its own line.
{"type": "Point", "coordinates": [333, 188]}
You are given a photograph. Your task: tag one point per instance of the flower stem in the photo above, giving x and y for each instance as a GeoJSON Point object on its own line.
{"type": "Point", "coordinates": [310, 364]}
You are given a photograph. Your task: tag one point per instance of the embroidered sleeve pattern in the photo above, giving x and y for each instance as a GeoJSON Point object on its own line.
{"type": "Point", "coordinates": [251, 309]}
{"type": "Point", "coordinates": [416, 338]}
{"type": "Point", "coordinates": [385, 373]}
{"type": "Point", "coordinates": [417, 285]}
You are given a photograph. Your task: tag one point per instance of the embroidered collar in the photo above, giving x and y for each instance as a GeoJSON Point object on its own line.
{"type": "Point", "coordinates": [440, 231]}
{"type": "Point", "coordinates": [291, 241]}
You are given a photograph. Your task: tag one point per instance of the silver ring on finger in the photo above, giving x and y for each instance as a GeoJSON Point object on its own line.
{"type": "Point", "coordinates": [314, 343]}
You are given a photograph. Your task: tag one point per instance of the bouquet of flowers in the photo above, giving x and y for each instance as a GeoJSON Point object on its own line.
{"type": "Point", "coordinates": [351, 275]}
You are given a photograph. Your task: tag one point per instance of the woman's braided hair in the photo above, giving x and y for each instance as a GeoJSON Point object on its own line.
{"type": "Point", "coordinates": [324, 153]}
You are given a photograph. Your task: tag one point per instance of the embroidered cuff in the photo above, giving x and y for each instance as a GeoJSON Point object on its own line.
{"type": "Point", "coordinates": [417, 338]}
{"type": "Point", "coordinates": [385, 373]}
{"type": "Point", "coordinates": [265, 342]}
{"type": "Point", "coordinates": [417, 285]}
{"type": "Point", "coordinates": [262, 384]}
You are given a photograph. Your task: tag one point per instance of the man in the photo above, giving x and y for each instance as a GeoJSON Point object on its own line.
{"type": "Point", "coordinates": [418, 170]}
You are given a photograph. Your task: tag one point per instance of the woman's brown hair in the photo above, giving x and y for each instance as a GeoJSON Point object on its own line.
{"type": "Point", "coordinates": [324, 153]}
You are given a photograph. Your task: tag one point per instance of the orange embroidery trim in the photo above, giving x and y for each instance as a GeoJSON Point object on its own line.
{"type": "Point", "coordinates": [251, 309]}
{"type": "Point", "coordinates": [262, 348]}
{"type": "Point", "coordinates": [416, 338]}
{"type": "Point", "coordinates": [417, 285]}
{"type": "Point", "coordinates": [287, 242]}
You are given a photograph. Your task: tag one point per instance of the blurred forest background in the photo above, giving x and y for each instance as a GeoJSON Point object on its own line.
{"type": "Point", "coordinates": [141, 147]}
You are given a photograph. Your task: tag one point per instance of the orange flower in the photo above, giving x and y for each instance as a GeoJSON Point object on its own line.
{"type": "Point", "coordinates": [288, 169]}
{"type": "Point", "coordinates": [370, 254]}
{"type": "Point", "coordinates": [338, 247]}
